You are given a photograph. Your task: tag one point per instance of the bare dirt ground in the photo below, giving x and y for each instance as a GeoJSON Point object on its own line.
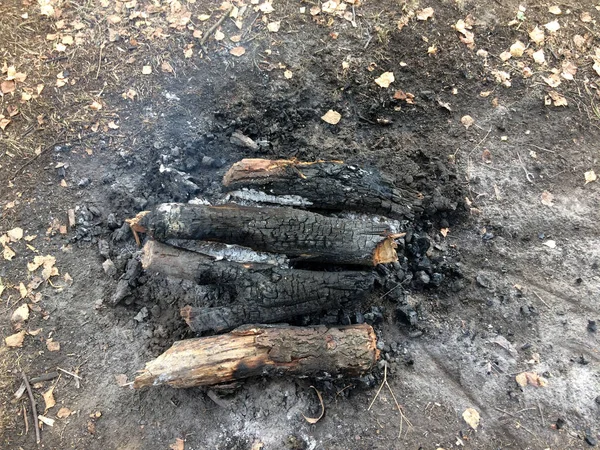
{"type": "Point", "coordinates": [492, 116]}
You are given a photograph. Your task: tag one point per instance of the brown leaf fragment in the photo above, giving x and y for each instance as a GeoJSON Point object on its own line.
{"type": "Point", "coordinates": [331, 117]}
{"type": "Point", "coordinates": [15, 234]}
{"type": "Point", "coordinates": [121, 379]}
{"type": "Point", "coordinates": [537, 35]}
{"type": "Point", "coordinates": [590, 176]}
{"type": "Point", "coordinates": [8, 253]}
{"type": "Point", "coordinates": [557, 99]}
{"type": "Point", "coordinates": [49, 399]}
{"type": "Point", "coordinates": [532, 378]}
{"type": "Point", "coordinates": [486, 156]}
{"type": "Point", "coordinates": [22, 290]}
{"type": "Point", "coordinates": [471, 416]}
{"type": "Point", "coordinates": [179, 444]}
{"type": "Point", "coordinates": [15, 340]}
{"type": "Point", "coordinates": [52, 346]}
{"type": "Point", "coordinates": [385, 79]}
{"type": "Point", "coordinates": [63, 412]}
{"type": "Point", "coordinates": [6, 87]}
{"type": "Point", "coordinates": [547, 198]}
{"type": "Point", "coordinates": [237, 51]}
{"type": "Point", "coordinates": [20, 315]}
{"type": "Point", "coordinates": [425, 14]}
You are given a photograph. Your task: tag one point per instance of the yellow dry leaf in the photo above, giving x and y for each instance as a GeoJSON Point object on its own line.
{"type": "Point", "coordinates": [273, 27]}
{"type": "Point", "coordinates": [471, 416]}
{"type": "Point", "coordinates": [517, 49]}
{"type": "Point", "coordinates": [188, 52]}
{"type": "Point", "coordinates": [219, 36]}
{"type": "Point", "coordinates": [15, 234]}
{"type": "Point", "coordinates": [505, 56]}
{"type": "Point", "coordinates": [467, 121]}
{"type": "Point", "coordinates": [554, 10]}
{"type": "Point", "coordinates": [11, 73]}
{"type": "Point", "coordinates": [21, 314]}
{"type": "Point", "coordinates": [553, 26]}
{"type": "Point", "coordinates": [197, 34]}
{"type": "Point", "coordinates": [203, 17]}
{"type": "Point", "coordinates": [166, 67]}
{"type": "Point", "coordinates": [569, 70]}
{"type": "Point", "coordinates": [425, 14]}
{"type": "Point", "coordinates": [3, 122]}
{"type": "Point", "coordinates": [385, 79]}
{"type": "Point", "coordinates": [22, 290]}
{"type": "Point", "coordinates": [539, 57]}
{"type": "Point", "coordinates": [537, 35]}
{"type": "Point", "coordinates": [68, 40]}
{"type": "Point", "coordinates": [96, 106]}
{"type": "Point", "coordinates": [590, 176]}
{"type": "Point", "coordinates": [52, 345]}
{"type": "Point", "coordinates": [179, 444]}
{"type": "Point", "coordinates": [444, 231]}
{"type": "Point", "coordinates": [552, 80]}
{"type": "Point", "coordinates": [331, 117]}
{"type": "Point", "coordinates": [557, 99]}
{"type": "Point", "coordinates": [113, 126]}
{"type": "Point", "coordinates": [532, 378]}
{"type": "Point", "coordinates": [237, 51]}
{"type": "Point", "coordinates": [8, 253]}
{"type": "Point", "coordinates": [49, 399]}
{"type": "Point", "coordinates": [63, 412]}
{"type": "Point", "coordinates": [147, 70]}
{"type": "Point", "coordinates": [15, 340]}
{"type": "Point", "coordinates": [585, 17]}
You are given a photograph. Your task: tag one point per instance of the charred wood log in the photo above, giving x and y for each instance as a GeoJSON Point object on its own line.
{"type": "Point", "coordinates": [262, 293]}
{"type": "Point", "coordinates": [259, 350]}
{"type": "Point", "coordinates": [301, 235]}
{"type": "Point", "coordinates": [328, 185]}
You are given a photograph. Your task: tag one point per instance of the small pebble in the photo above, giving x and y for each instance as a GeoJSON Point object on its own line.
{"type": "Point", "coordinates": [592, 326]}
{"type": "Point", "coordinates": [109, 268]}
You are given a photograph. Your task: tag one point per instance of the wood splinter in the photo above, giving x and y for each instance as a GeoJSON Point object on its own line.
{"type": "Point", "coordinates": [257, 350]}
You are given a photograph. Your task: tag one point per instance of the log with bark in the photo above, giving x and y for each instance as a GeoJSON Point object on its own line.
{"type": "Point", "coordinates": [301, 235]}
{"type": "Point", "coordinates": [262, 293]}
{"type": "Point", "coordinates": [327, 185]}
{"type": "Point", "coordinates": [260, 350]}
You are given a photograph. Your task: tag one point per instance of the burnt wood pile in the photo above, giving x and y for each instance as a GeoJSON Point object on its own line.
{"type": "Point", "coordinates": [326, 219]}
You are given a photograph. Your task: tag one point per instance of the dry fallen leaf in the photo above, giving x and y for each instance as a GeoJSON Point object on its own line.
{"type": "Point", "coordinates": [505, 56]}
{"type": "Point", "coordinates": [48, 421]}
{"type": "Point", "coordinates": [553, 26]}
{"type": "Point", "coordinates": [471, 416]}
{"type": "Point", "coordinates": [273, 27]}
{"type": "Point", "coordinates": [537, 35]}
{"type": "Point", "coordinates": [590, 176]}
{"type": "Point", "coordinates": [49, 399]}
{"type": "Point", "coordinates": [553, 80]}
{"type": "Point", "coordinates": [517, 49]}
{"type": "Point", "coordinates": [532, 378]}
{"type": "Point", "coordinates": [147, 70]}
{"type": "Point", "coordinates": [179, 444]}
{"type": "Point", "coordinates": [288, 74]}
{"type": "Point", "coordinates": [6, 87]}
{"type": "Point", "coordinates": [219, 36]}
{"type": "Point", "coordinates": [96, 106]}
{"type": "Point", "coordinates": [266, 8]}
{"type": "Point", "coordinates": [237, 51]}
{"type": "Point", "coordinates": [585, 17]}
{"type": "Point", "coordinates": [444, 231]}
{"type": "Point", "coordinates": [331, 117]}
{"type": "Point", "coordinates": [63, 412]}
{"type": "Point", "coordinates": [15, 340]}
{"type": "Point", "coordinates": [557, 99]}
{"type": "Point", "coordinates": [15, 234]}
{"type": "Point", "coordinates": [22, 290]}
{"type": "Point", "coordinates": [550, 243]}
{"type": "Point", "coordinates": [569, 70]}
{"type": "Point", "coordinates": [554, 10]}
{"type": "Point", "coordinates": [21, 314]}
{"type": "Point", "coordinates": [121, 379]}
{"type": "Point", "coordinates": [539, 57]}
{"type": "Point", "coordinates": [52, 346]}
{"type": "Point", "coordinates": [313, 420]}
{"type": "Point", "coordinates": [547, 198]}
{"type": "Point", "coordinates": [166, 67]}
{"type": "Point", "coordinates": [425, 13]}
{"type": "Point", "coordinates": [203, 17]}
{"type": "Point", "coordinates": [467, 121]}
{"type": "Point", "coordinates": [385, 79]}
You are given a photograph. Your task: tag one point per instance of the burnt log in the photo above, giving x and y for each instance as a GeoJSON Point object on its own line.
{"type": "Point", "coordinates": [301, 235]}
{"type": "Point", "coordinates": [261, 293]}
{"type": "Point", "coordinates": [325, 185]}
{"type": "Point", "coordinates": [257, 350]}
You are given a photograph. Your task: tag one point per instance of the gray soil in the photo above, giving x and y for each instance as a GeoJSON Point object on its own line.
{"type": "Point", "coordinates": [509, 303]}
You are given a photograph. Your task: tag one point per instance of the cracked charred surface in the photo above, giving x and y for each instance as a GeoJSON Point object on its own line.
{"type": "Point", "coordinates": [262, 293]}
{"type": "Point", "coordinates": [327, 185]}
{"type": "Point", "coordinates": [301, 235]}
{"type": "Point", "coordinates": [257, 350]}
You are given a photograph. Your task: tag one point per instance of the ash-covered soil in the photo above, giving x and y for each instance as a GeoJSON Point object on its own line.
{"type": "Point", "coordinates": [496, 277]}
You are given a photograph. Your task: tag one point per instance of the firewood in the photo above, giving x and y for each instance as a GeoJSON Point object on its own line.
{"type": "Point", "coordinates": [326, 185]}
{"type": "Point", "coordinates": [301, 235]}
{"type": "Point", "coordinates": [257, 350]}
{"type": "Point", "coordinates": [261, 293]}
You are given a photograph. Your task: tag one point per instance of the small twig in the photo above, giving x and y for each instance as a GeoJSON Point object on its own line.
{"type": "Point", "coordinates": [542, 300]}
{"type": "Point", "coordinates": [70, 373]}
{"type": "Point", "coordinates": [25, 419]}
{"type": "Point", "coordinates": [38, 438]}
{"type": "Point", "coordinates": [478, 144]}
{"type": "Point", "coordinates": [99, 60]}
{"type": "Point", "coordinates": [541, 415]}
{"type": "Point", "coordinates": [212, 29]}
{"type": "Point", "coordinates": [542, 148]}
{"type": "Point", "coordinates": [20, 169]}
{"type": "Point", "coordinates": [46, 377]}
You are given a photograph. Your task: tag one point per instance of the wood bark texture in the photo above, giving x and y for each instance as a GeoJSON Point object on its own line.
{"type": "Point", "coordinates": [257, 350]}
{"type": "Point", "coordinates": [262, 293]}
{"type": "Point", "coordinates": [328, 185]}
{"type": "Point", "coordinates": [301, 235]}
